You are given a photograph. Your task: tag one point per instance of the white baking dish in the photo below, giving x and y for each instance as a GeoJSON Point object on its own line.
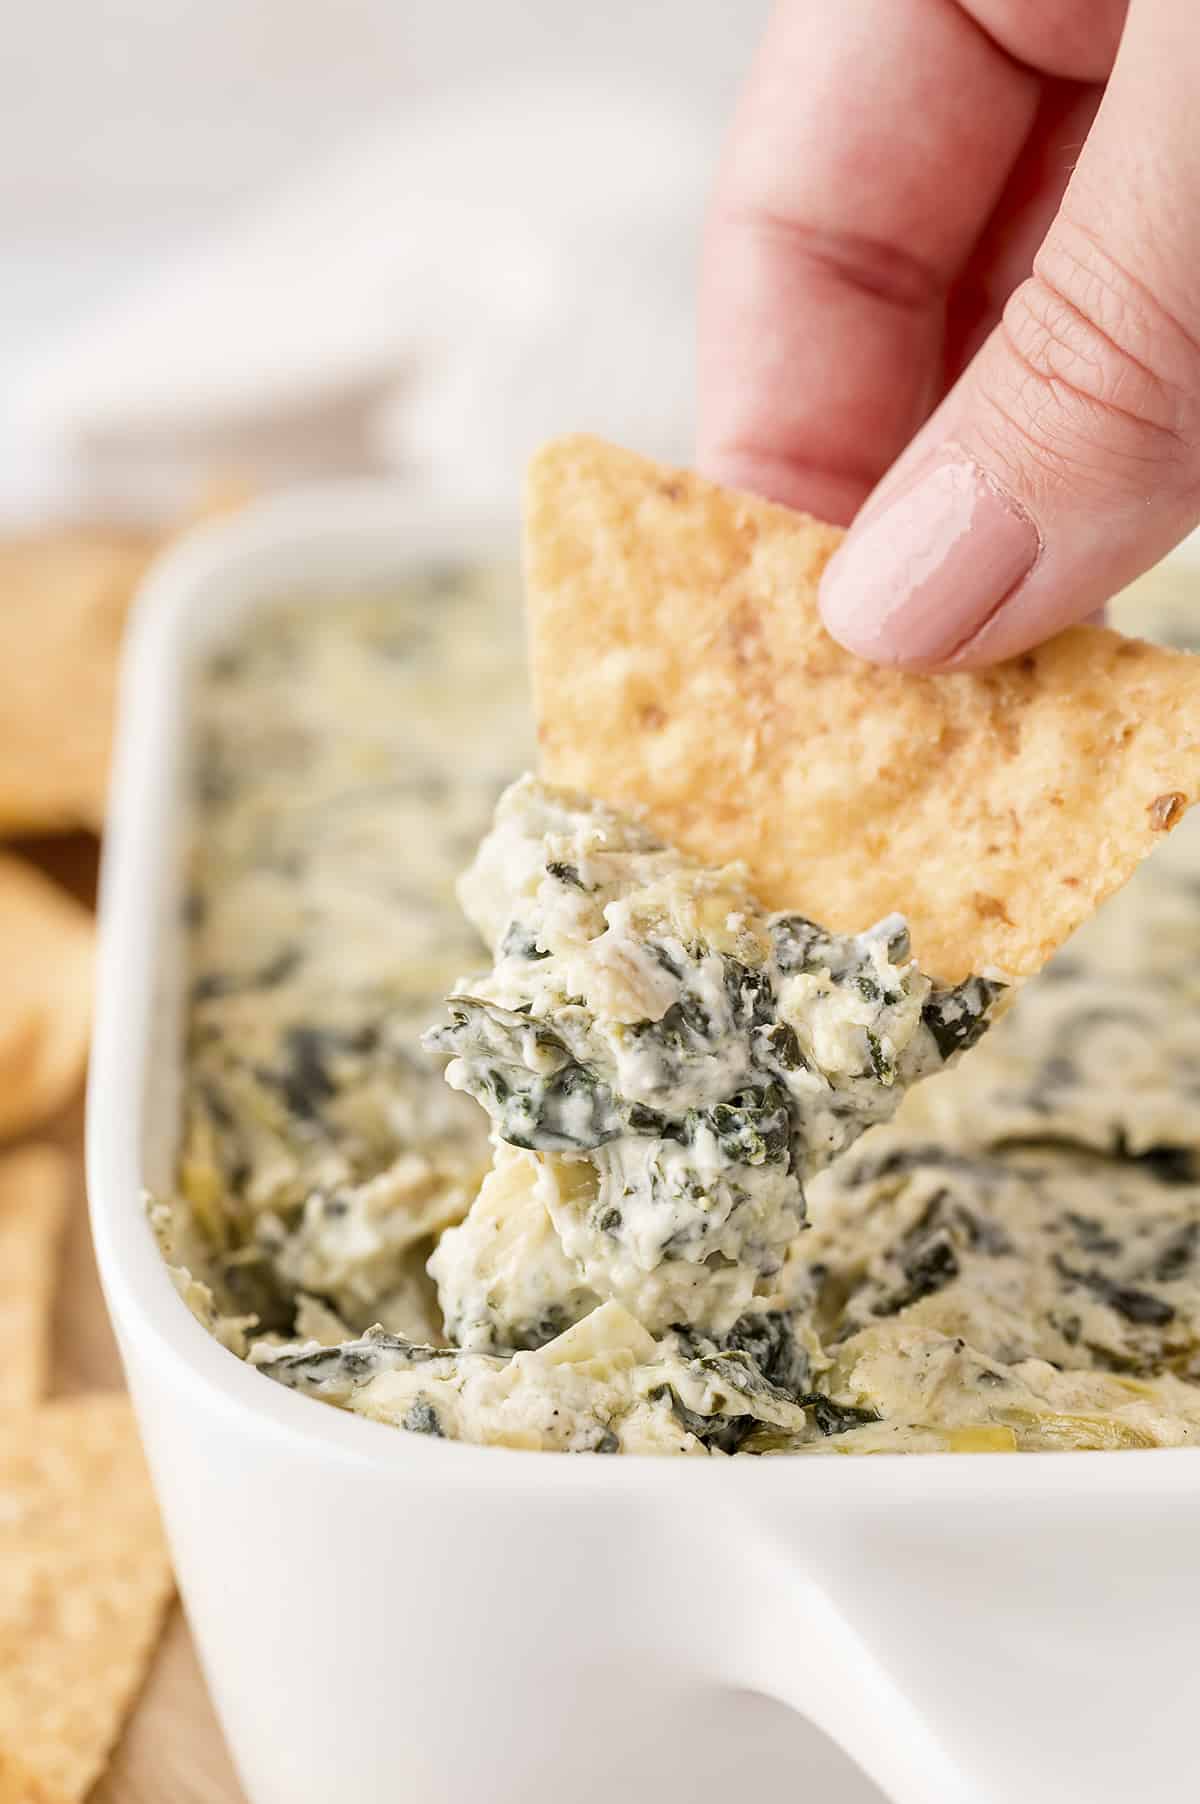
{"type": "Point", "coordinates": [389, 1617]}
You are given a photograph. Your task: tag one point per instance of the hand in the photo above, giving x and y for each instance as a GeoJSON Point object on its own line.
{"type": "Point", "coordinates": [952, 292]}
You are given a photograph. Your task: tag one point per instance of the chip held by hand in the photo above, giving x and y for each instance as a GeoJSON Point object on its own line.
{"type": "Point", "coordinates": [681, 669]}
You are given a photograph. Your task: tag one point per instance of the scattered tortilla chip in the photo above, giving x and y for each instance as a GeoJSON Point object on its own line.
{"type": "Point", "coordinates": [45, 995]}
{"type": "Point", "coordinates": [63, 601]}
{"type": "Point", "coordinates": [34, 1188]}
{"type": "Point", "coordinates": [64, 597]}
{"type": "Point", "coordinates": [680, 664]}
{"type": "Point", "coordinates": [86, 1579]}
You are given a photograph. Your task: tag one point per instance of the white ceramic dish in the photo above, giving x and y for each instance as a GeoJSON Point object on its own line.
{"type": "Point", "coordinates": [387, 1617]}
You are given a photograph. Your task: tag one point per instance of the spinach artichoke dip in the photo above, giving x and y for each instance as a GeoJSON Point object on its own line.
{"type": "Point", "coordinates": [616, 1193]}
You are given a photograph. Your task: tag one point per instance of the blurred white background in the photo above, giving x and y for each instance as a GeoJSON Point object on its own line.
{"type": "Point", "coordinates": [487, 229]}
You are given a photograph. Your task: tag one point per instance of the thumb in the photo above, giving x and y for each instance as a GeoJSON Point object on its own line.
{"type": "Point", "coordinates": [1067, 458]}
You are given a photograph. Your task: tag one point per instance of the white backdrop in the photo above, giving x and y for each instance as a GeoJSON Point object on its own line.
{"type": "Point", "coordinates": [133, 129]}
{"type": "Point", "coordinates": [129, 113]}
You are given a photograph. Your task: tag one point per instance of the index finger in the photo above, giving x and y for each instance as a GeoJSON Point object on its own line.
{"type": "Point", "coordinates": [870, 145]}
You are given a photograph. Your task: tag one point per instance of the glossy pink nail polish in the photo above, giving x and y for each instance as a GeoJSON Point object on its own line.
{"type": "Point", "coordinates": [919, 576]}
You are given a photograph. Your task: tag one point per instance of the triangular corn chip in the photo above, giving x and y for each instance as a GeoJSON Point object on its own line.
{"type": "Point", "coordinates": [63, 601]}
{"type": "Point", "coordinates": [680, 667]}
{"type": "Point", "coordinates": [19, 1786]}
{"type": "Point", "coordinates": [85, 1580]}
{"type": "Point", "coordinates": [34, 1187]}
{"type": "Point", "coordinates": [45, 995]}
{"type": "Point", "coordinates": [64, 597]}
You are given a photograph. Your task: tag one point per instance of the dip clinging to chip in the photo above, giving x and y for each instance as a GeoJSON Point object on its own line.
{"type": "Point", "coordinates": [680, 668]}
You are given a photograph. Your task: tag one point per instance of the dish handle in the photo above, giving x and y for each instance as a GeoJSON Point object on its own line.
{"type": "Point", "coordinates": [974, 1649]}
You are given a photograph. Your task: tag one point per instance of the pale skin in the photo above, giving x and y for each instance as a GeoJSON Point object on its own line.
{"type": "Point", "coordinates": [951, 298]}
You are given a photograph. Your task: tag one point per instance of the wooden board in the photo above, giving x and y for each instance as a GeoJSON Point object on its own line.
{"type": "Point", "coordinates": [172, 1751]}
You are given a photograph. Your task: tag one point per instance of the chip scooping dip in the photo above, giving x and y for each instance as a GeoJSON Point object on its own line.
{"type": "Point", "coordinates": [681, 669]}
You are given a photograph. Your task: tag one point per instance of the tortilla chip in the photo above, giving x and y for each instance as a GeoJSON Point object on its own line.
{"type": "Point", "coordinates": [34, 1188]}
{"type": "Point", "coordinates": [680, 666]}
{"type": "Point", "coordinates": [63, 601]}
{"type": "Point", "coordinates": [19, 1786]}
{"type": "Point", "coordinates": [45, 995]}
{"type": "Point", "coordinates": [64, 597]}
{"type": "Point", "coordinates": [86, 1579]}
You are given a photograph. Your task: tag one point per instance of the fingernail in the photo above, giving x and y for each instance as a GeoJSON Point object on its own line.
{"type": "Point", "coordinates": [919, 576]}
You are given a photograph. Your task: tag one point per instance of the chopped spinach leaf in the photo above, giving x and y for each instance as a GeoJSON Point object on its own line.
{"type": "Point", "coordinates": [752, 1000]}
{"type": "Point", "coordinates": [928, 1261]}
{"type": "Point", "coordinates": [1178, 1255]}
{"type": "Point", "coordinates": [1169, 1164]}
{"type": "Point", "coordinates": [800, 945]}
{"type": "Point", "coordinates": [214, 984]}
{"type": "Point", "coordinates": [1091, 1233]}
{"type": "Point", "coordinates": [565, 873]}
{"type": "Point", "coordinates": [307, 1081]}
{"type": "Point", "coordinates": [957, 1017]}
{"type": "Point", "coordinates": [519, 942]}
{"type": "Point", "coordinates": [836, 1418]}
{"type": "Point", "coordinates": [422, 1418]}
{"type": "Point", "coordinates": [1138, 1306]}
{"type": "Point", "coordinates": [752, 1128]}
{"type": "Point", "coordinates": [883, 1066]}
